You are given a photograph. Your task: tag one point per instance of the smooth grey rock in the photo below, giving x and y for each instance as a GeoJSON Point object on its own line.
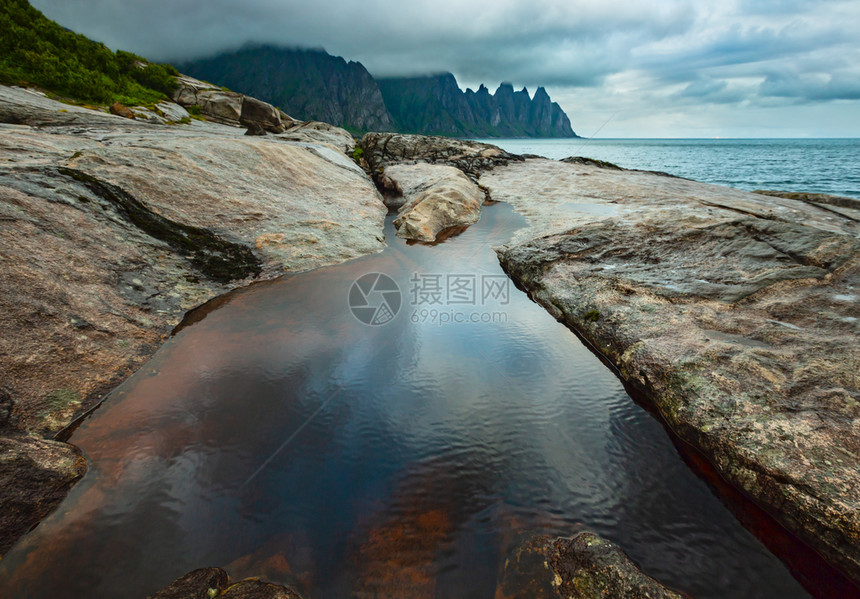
{"type": "Point", "coordinates": [220, 106]}
{"type": "Point", "coordinates": [262, 114]}
{"type": "Point", "coordinates": [435, 198]}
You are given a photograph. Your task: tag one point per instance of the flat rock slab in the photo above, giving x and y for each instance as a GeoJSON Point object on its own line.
{"type": "Point", "coordinates": [433, 198]}
{"type": "Point", "coordinates": [585, 566]}
{"type": "Point", "coordinates": [737, 314]}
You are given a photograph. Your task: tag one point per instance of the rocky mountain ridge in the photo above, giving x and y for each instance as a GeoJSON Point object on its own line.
{"type": "Point", "coordinates": [435, 105]}
{"type": "Point", "coordinates": [313, 85]}
{"type": "Point", "coordinates": [310, 85]}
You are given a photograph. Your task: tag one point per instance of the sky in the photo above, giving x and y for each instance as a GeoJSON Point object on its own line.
{"type": "Point", "coordinates": [619, 68]}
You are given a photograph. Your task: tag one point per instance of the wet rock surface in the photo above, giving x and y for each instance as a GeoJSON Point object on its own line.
{"type": "Point", "coordinates": [35, 475]}
{"type": "Point", "coordinates": [737, 314]}
{"type": "Point", "coordinates": [207, 583]}
{"type": "Point", "coordinates": [585, 566]}
{"type": "Point", "coordinates": [113, 228]}
{"type": "Point", "coordinates": [431, 199]}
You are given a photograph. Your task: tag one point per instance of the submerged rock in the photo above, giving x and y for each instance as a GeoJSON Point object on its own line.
{"type": "Point", "coordinates": [585, 566]}
{"type": "Point", "coordinates": [735, 313]}
{"type": "Point", "coordinates": [432, 198]}
{"type": "Point", "coordinates": [207, 583]}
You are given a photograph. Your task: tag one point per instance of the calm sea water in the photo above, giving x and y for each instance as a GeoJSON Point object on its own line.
{"type": "Point", "coordinates": [278, 436]}
{"type": "Point", "coordinates": [814, 165]}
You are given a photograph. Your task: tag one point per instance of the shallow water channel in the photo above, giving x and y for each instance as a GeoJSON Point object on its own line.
{"type": "Point", "coordinates": [280, 436]}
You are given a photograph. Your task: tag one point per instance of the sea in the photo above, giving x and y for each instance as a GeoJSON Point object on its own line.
{"type": "Point", "coordinates": [828, 165]}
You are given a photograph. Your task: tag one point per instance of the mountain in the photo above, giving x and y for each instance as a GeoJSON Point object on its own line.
{"type": "Point", "coordinates": [306, 84]}
{"type": "Point", "coordinates": [435, 105]}
{"type": "Point", "coordinates": [313, 85]}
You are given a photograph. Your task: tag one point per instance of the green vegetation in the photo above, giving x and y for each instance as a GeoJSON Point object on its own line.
{"type": "Point", "coordinates": [36, 51]}
{"type": "Point", "coordinates": [358, 153]}
{"type": "Point", "coordinates": [592, 316]}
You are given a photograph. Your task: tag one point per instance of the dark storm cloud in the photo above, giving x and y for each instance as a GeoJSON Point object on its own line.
{"type": "Point", "coordinates": [666, 54]}
{"type": "Point", "coordinates": [570, 43]}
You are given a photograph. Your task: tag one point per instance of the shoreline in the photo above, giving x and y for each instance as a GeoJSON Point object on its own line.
{"type": "Point", "coordinates": [541, 248]}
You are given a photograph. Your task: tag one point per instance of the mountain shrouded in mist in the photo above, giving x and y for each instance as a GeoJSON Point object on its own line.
{"type": "Point", "coordinates": [313, 85]}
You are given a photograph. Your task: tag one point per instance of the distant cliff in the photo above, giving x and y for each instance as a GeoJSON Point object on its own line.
{"type": "Point", "coordinates": [313, 85]}
{"type": "Point", "coordinates": [306, 84]}
{"type": "Point", "coordinates": [436, 105]}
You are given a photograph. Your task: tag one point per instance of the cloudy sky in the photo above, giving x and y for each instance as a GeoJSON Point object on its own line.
{"type": "Point", "coordinates": [620, 68]}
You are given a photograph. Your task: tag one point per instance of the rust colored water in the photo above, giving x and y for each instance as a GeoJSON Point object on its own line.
{"type": "Point", "coordinates": [279, 436]}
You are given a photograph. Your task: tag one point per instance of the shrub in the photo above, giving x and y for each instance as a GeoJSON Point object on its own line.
{"type": "Point", "coordinates": [37, 51]}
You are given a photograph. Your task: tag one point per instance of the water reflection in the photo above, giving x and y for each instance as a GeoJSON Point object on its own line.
{"type": "Point", "coordinates": [279, 436]}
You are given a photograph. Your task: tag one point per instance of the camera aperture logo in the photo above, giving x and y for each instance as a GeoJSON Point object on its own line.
{"type": "Point", "coordinates": [375, 298]}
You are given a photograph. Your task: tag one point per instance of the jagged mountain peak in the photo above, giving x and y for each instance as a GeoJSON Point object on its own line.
{"type": "Point", "coordinates": [310, 84]}
{"type": "Point", "coordinates": [423, 105]}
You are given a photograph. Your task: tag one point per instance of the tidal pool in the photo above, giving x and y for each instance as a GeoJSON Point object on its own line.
{"type": "Point", "coordinates": [279, 436]}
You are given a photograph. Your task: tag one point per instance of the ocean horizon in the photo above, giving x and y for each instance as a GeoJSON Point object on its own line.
{"type": "Point", "coordinates": [817, 165]}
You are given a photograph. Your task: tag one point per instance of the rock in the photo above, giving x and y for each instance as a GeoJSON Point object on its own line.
{"type": "Point", "coordinates": [121, 110]}
{"type": "Point", "coordinates": [257, 589]}
{"type": "Point", "coordinates": [172, 112]}
{"type": "Point", "coordinates": [323, 133]}
{"type": "Point", "coordinates": [6, 407]}
{"type": "Point", "coordinates": [230, 108]}
{"type": "Point", "coordinates": [216, 104]}
{"type": "Point", "coordinates": [220, 106]}
{"type": "Point", "coordinates": [151, 238]}
{"type": "Point", "coordinates": [204, 583]}
{"type": "Point", "coordinates": [112, 229]}
{"type": "Point", "coordinates": [255, 129]}
{"type": "Point", "coordinates": [585, 566]}
{"type": "Point", "coordinates": [260, 113]}
{"type": "Point", "coordinates": [187, 89]}
{"type": "Point", "coordinates": [207, 583]}
{"type": "Point", "coordinates": [385, 149]}
{"type": "Point", "coordinates": [591, 162]}
{"type": "Point", "coordinates": [815, 198]}
{"type": "Point", "coordinates": [435, 198]}
{"type": "Point", "coordinates": [20, 106]}
{"type": "Point", "coordinates": [736, 314]}
{"type": "Point", "coordinates": [35, 476]}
